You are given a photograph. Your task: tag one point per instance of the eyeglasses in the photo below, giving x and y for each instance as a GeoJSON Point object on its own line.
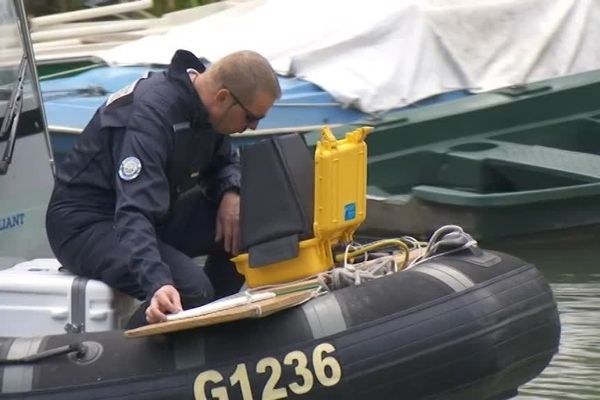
{"type": "Point", "coordinates": [250, 116]}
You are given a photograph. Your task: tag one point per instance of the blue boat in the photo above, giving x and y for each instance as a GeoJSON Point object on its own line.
{"type": "Point", "coordinates": [70, 101]}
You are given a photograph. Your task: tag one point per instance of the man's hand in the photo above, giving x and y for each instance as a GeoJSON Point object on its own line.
{"type": "Point", "coordinates": [165, 300]}
{"type": "Point", "coordinates": [228, 220]}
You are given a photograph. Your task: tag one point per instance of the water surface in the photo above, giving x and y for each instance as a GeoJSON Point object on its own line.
{"type": "Point", "coordinates": [571, 263]}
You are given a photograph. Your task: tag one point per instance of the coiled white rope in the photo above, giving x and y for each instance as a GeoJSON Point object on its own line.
{"type": "Point", "coordinates": [452, 237]}
{"type": "Point", "coordinates": [446, 240]}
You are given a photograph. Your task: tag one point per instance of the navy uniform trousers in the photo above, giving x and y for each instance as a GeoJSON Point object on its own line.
{"type": "Point", "coordinates": [95, 252]}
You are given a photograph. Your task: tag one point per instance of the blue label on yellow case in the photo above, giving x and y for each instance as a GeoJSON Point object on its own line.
{"type": "Point", "coordinates": [349, 211]}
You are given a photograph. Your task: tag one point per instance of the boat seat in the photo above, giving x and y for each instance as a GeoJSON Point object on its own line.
{"type": "Point", "coordinates": [545, 158]}
{"type": "Point", "coordinates": [565, 174]}
{"type": "Point", "coordinates": [498, 173]}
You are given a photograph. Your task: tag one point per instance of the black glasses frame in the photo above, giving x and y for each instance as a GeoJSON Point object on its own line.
{"type": "Point", "coordinates": [250, 116]}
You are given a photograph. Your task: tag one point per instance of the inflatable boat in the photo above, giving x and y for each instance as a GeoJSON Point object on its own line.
{"type": "Point", "coordinates": [456, 322]}
{"type": "Point", "coordinates": [473, 325]}
{"type": "Point", "coordinates": [453, 322]}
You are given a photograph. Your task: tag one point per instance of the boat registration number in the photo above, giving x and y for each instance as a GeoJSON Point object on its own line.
{"type": "Point", "coordinates": [324, 370]}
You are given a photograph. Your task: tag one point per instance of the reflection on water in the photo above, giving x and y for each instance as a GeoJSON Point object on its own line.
{"type": "Point", "coordinates": [575, 371]}
{"type": "Point", "coordinates": [570, 263]}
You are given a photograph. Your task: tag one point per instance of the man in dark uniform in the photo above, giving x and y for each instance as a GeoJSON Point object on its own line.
{"type": "Point", "coordinates": [153, 181]}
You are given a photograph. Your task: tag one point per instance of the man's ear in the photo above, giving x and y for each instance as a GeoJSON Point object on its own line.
{"type": "Point", "coordinates": [221, 97]}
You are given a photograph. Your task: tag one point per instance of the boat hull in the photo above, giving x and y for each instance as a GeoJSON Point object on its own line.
{"type": "Point", "coordinates": [471, 326]}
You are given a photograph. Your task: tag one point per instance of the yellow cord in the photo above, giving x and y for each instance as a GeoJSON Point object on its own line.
{"type": "Point", "coordinates": [376, 245]}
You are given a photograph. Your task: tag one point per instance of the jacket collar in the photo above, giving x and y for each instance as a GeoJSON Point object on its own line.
{"type": "Point", "coordinates": [183, 60]}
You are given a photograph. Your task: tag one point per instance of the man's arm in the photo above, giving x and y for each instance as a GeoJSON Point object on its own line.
{"type": "Point", "coordinates": [142, 199]}
{"type": "Point", "coordinates": [224, 173]}
{"type": "Point", "coordinates": [228, 222]}
{"type": "Point", "coordinates": [223, 183]}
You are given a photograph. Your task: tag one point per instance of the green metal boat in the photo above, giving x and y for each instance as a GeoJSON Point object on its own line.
{"type": "Point", "coordinates": [515, 161]}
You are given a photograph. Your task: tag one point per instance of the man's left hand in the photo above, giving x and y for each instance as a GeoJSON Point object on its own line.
{"type": "Point", "coordinates": [228, 220]}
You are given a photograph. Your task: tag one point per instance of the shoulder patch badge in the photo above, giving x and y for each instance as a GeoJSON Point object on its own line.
{"type": "Point", "coordinates": [130, 168]}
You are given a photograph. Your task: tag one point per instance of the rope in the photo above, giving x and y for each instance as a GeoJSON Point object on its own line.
{"type": "Point", "coordinates": [356, 273]}
{"type": "Point", "coordinates": [446, 240]}
{"type": "Point", "coordinates": [373, 265]}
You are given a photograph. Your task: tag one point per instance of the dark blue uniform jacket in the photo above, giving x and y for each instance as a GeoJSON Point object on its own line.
{"type": "Point", "coordinates": [160, 121]}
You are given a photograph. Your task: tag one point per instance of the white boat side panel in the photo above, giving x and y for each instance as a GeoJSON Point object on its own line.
{"type": "Point", "coordinates": [24, 194]}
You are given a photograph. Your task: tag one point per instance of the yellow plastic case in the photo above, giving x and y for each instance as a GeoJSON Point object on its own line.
{"type": "Point", "coordinates": [314, 256]}
{"type": "Point", "coordinates": [339, 208]}
{"type": "Point", "coordinates": [340, 184]}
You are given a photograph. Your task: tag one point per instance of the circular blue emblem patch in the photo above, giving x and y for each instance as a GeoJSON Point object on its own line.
{"type": "Point", "coordinates": [130, 168]}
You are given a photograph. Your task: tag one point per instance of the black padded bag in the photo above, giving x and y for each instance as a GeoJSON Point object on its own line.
{"type": "Point", "coordinates": [277, 196]}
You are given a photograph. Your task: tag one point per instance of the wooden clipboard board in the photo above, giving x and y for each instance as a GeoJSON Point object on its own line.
{"type": "Point", "coordinates": [258, 309]}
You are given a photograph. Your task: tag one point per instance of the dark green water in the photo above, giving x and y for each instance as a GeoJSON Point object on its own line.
{"type": "Point", "coordinates": [570, 262]}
